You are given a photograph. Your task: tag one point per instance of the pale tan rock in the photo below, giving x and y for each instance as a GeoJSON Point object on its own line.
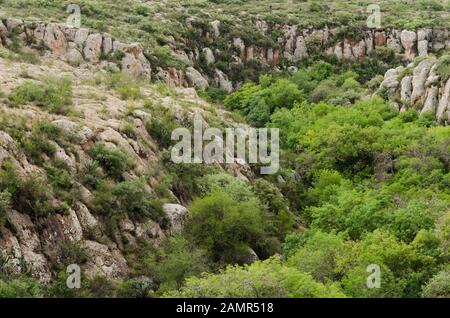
{"type": "Point", "coordinates": [301, 51]}
{"type": "Point", "coordinates": [406, 89]}
{"type": "Point", "coordinates": [177, 215]}
{"type": "Point", "coordinates": [134, 62]}
{"type": "Point", "coordinates": [209, 56]}
{"type": "Point", "coordinates": [81, 36]}
{"type": "Point", "coordinates": [444, 104]}
{"type": "Point", "coordinates": [196, 78]}
{"type": "Point", "coordinates": [104, 260]}
{"type": "Point", "coordinates": [409, 40]}
{"type": "Point", "coordinates": [93, 47]}
{"type": "Point", "coordinates": [420, 76]}
{"type": "Point", "coordinates": [431, 100]}
{"type": "Point", "coordinates": [55, 40]}
{"type": "Point", "coordinates": [216, 28]}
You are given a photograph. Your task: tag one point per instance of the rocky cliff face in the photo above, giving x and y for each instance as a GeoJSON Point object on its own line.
{"type": "Point", "coordinates": [274, 46]}
{"type": "Point", "coordinates": [77, 46]}
{"type": "Point", "coordinates": [34, 243]}
{"type": "Point", "coordinates": [288, 44]}
{"type": "Point", "coordinates": [420, 86]}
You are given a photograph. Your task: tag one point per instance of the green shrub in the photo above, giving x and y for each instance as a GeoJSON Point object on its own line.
{"type": "Point", "coordinates": [267, 279]}
{"type": "Point", "coordinates": [173, 261]}
{"type": "Point", "coordinates": [113, 161]}
{"type": "Point", "coordinates": [127, 128]}
{"type": "Point", "coordinates": [41, 141]}
{"type": "Point", "coordinates": [224, 227]}
{"type": "Point", "coordinates": [127, 198]}
{"type": "Point", "coordinates": [160, 128]}
{"type": "Point", "coordinates": [35, 197]}
{"type": "Point", "coordinates": [126, 86]}
{"type": "Point", "coordinates": [438, 286]}
{"type": "Point", "coordinates": [135, 288]}
{"type": "Point", "coordinates": [5, 204]}
{"type": "Point", "coordinates": [54, 95]}
{"type": "Point", "coordinates": [62, 182]}
{"type": "Point", "coordinates": [92, 174]}
{"type": "Point", "coordinates": [443, 68]}
{"type": "Point", "coordinates": [319, 255]}
{"type": "Point", "coordinates": [135, 201]}
{"type": "Point", "coordinates": [72, 253]}
{"type": "Point", "coordinates": [21, 287]}
{"type": "Point", "coordinates": [216, 95]}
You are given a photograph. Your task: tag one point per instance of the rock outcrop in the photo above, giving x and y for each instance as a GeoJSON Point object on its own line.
{"type": "Point", "coordinates": [77, 46]}
{"type": "Point", "coordinates": [421, 88]}
{"type": "Point", "coordinates": [293, 43]}
{"type": "Point", "coordinates": [177, 215]}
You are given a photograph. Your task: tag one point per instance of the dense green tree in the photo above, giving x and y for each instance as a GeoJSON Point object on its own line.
{"type": "Point", "coordinates": [270, 278]}
{"type": "Point", "coordinates": [225, 227]}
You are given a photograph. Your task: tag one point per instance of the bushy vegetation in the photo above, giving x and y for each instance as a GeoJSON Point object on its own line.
{"type": "Point", "coordinates": [369, 184]}
{"type": "Point", "coordinates": [54, 95]}
{"type": "Point", "coordinates": [160, 127]}
{"type": "Point", "coordinates": [359, 182]}
{"type": "Point", "coordinates": [113, 160]}
{"type": "Point", "coordinates": [319, 82]}
{"type": "Point", "coordinates": [259, 280]}
{"type": "Point", "coordinates": [127, 198]}
{"type": "Point", "coordinates": [126, 86]}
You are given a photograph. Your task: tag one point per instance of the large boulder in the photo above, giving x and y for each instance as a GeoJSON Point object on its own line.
{"type": "Point", "coordinates": [70, 226]}
{"type": "Point", "coordinates": [104, 260]}
{"type": "Point", "coordinates": [73, 129]}
{"type": "Point", "coordinates": [28, 247]}
{"type": "Point", "coordinates": [406, 89]}
{"type": "Point", "coordinates": [301, 50]}
{"type": "Point", "coordinates": [134, 62]}
{"type": "Point", "coordinates": [359, 50]}
{"type": "Point", "coordinates": [223, 82]}
{"type": "Point", "coordinates": [420, 76]}
{"type": "Point", "coordinates": [431, 100]}
{"type": "Point", "coordinates": [107, 44]}
{"type": "Point", "coordinates": [93, 47]}
{"type": "Point", "coordinates": [13, 24]}
{"type": "Point", "coordinates": [3, 28]}
{"type": "Point", "coordinates": [209, 56]}
{"type": "Point", "coordinates": [215, 25]}
{"type": "Point", "coordinates": [443, 110]}
{"type": "Point", "coordinates": [74, 57]}
{"type": "Point", "coordinates": [54, 39]}
{"type": "Point", "coordinates": [393, 41]}
{"type": "Point", "coordinates": [409, 40]}
{"type": "Point", "coordinates": [177, 215]}
{"type": "Point", "coordinates": [195, 78]}
{"type": "Point", "coordinates": [81, 36]}
{"type": "Point", "coordinates": [390, 81]}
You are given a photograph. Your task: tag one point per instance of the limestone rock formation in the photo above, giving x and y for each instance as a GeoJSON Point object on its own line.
{"type": "Point", "coordinates": [77, 46]}
{"type": "Point", "coordinates": [295, 43]}
{"type": "Point", "coordinates": [176, 214]}
{"type": "Point", "coordinates": [409, 40]}
{"type": "Point", "coordinates": [196, 78]}
{"type": "Point", "coordinates": [424, 90]}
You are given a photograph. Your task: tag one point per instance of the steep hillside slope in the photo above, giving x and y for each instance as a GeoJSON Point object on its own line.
{"type": "Point", "coordinates": [86, 176]}
{"type": "Point", "coordinates": [47, 147]}
{"type": "Point", "coordinates": [222, 44]}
